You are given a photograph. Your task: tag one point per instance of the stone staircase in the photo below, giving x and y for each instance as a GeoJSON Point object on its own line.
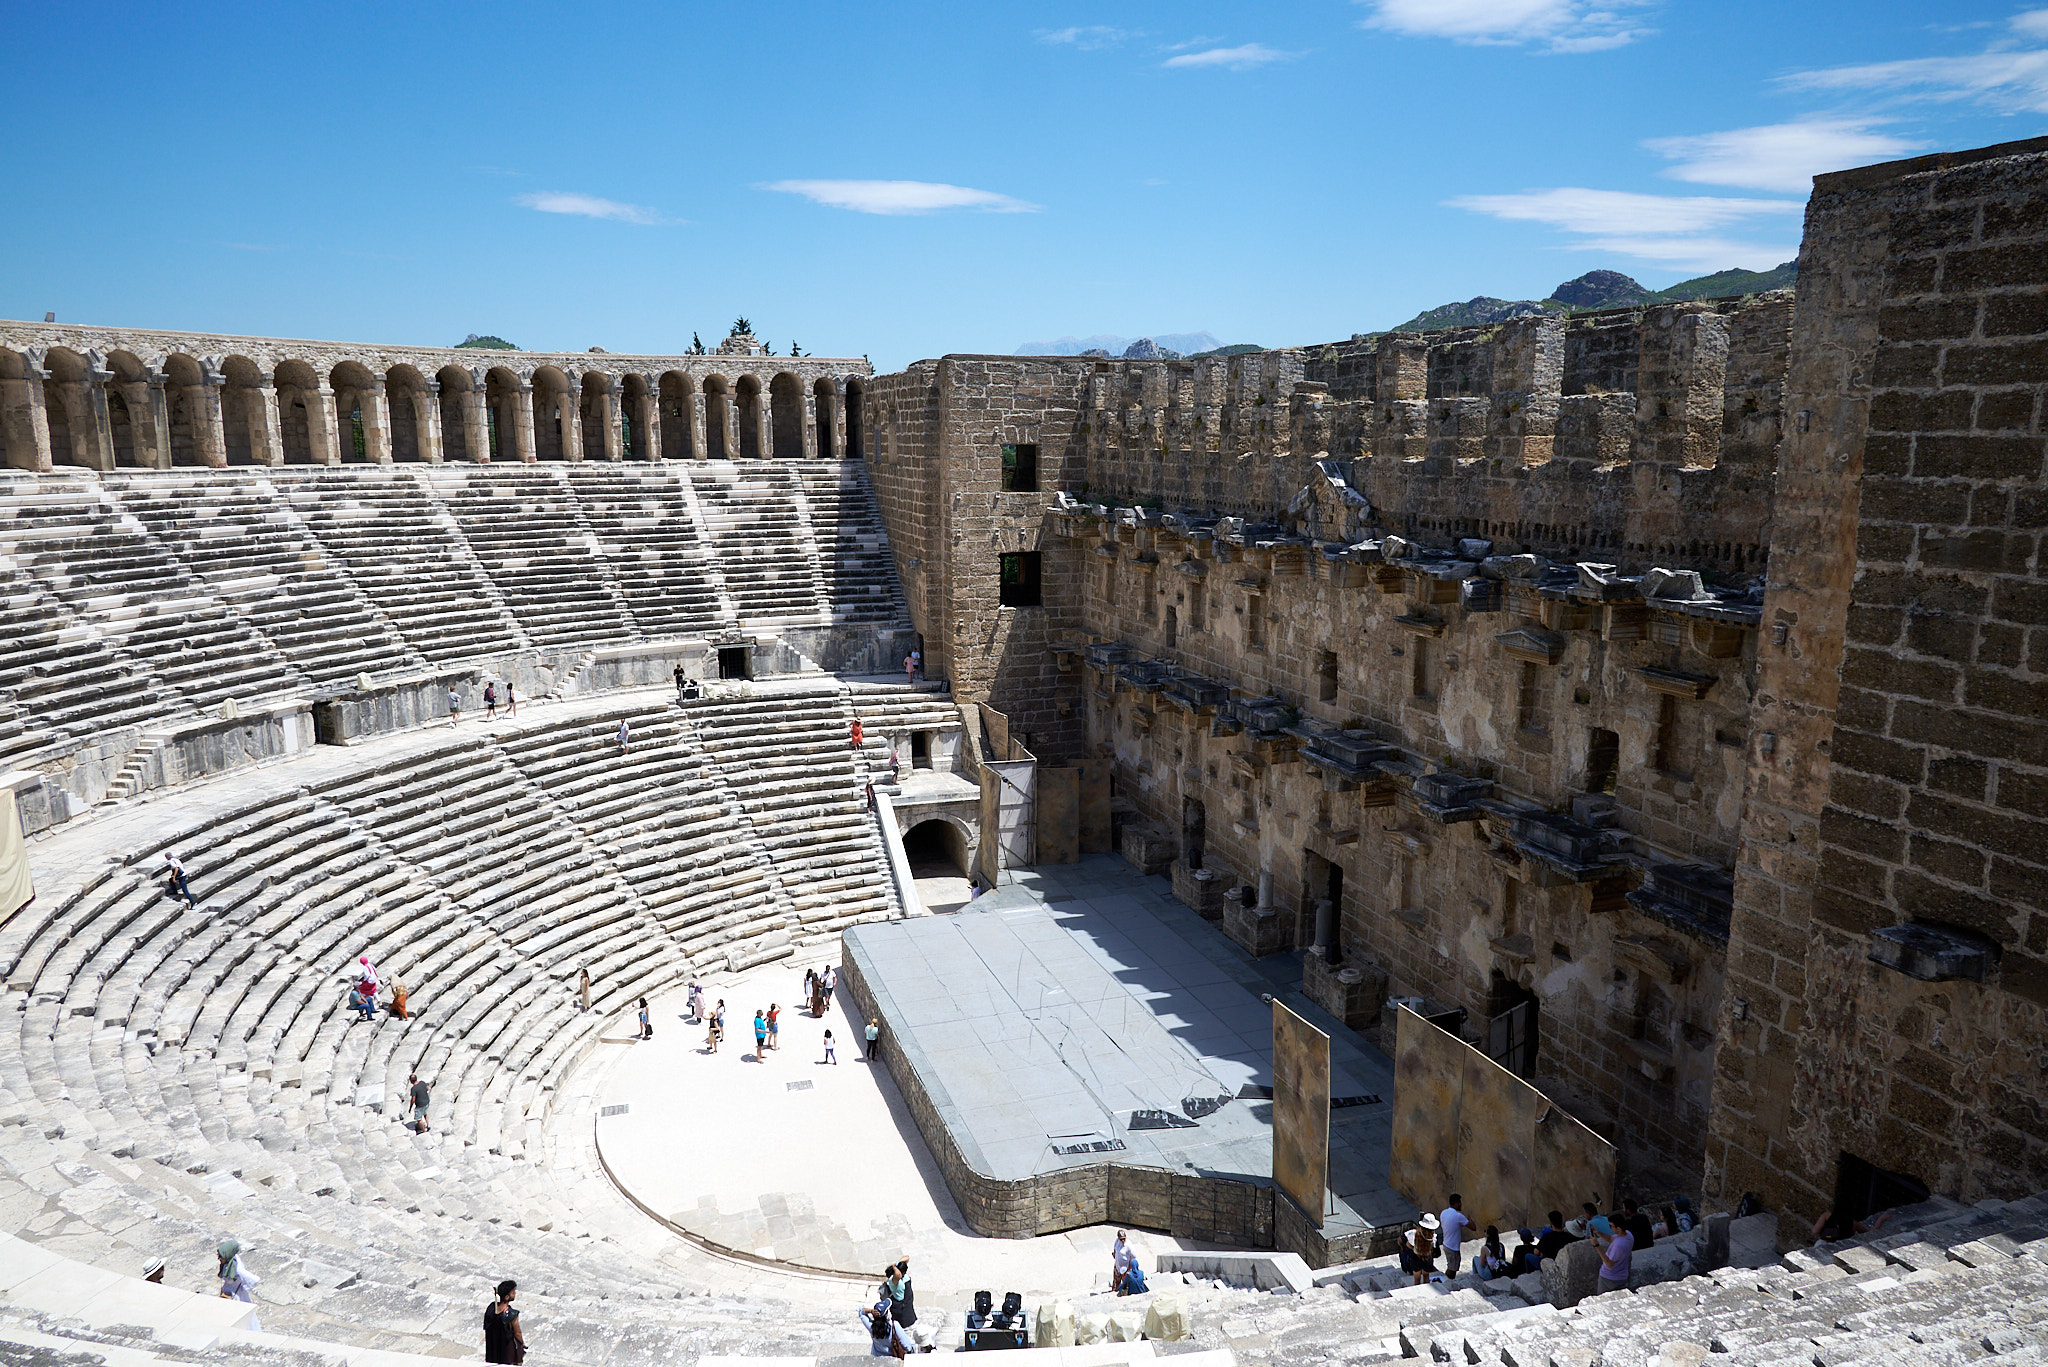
{"type": "Point", "coordinates": [646, 521]}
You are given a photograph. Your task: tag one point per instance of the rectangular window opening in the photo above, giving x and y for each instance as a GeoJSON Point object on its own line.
{"type": "Point", "coordinates": [1018, 576]}
{"type": "Point", "coordinates": [1424, 676]}
{"type": "Point", "coordinates": [1603, 760]}
{"type": "Point", "coordinates": [1255, 623]}
{"type": "Point", "coordinates": [1670, 755]}
{"type": "Point", "coordinates": [1326, 676]}
{"type": "Point", "coordinates": [734, 663]}
{"type": "Point", "coordinates": [1532, 700]}
{"type": "Point", "coordinates": [1020, 468]}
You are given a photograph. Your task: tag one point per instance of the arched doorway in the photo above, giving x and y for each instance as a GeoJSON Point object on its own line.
{"type": "Point", "coordinates": [856, 446]}
{"type": "Point", "coordinates": [244, 423]}
{"type": "Point", "coordinates": [296, 386]}
{"type": "Point", "coordinates": [747, 399]}
{"type": "Point", "coordinates": [676, 396]}
{"type": "Point", "coordinates": [405, 390]}
{"type": "Point", "coordinates": [457, 401]}
{"type": "Point", "coordinates": [826, 400]}
{"type": "Point", "coordinates": [786, 411]}
{"type": "Point", "coordinates": [183, 384]}
{"type": "Point", "coordinates": [350, 382]}
{"type": "Point", "coordinates": [717, 418]}
{"type": "Point", "coordinates": [941, 863]}
{"type": "Point", "coordinates": [552, 414]}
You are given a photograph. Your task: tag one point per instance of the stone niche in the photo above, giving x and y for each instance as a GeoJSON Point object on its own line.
{"type": "Point", "coordinates": [1353, 992]}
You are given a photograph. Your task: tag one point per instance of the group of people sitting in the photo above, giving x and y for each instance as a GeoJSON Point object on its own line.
{"type": "Point", "coordinates": [1617, 1235]}
{"type": "Point", "coordinates": [364, 991]}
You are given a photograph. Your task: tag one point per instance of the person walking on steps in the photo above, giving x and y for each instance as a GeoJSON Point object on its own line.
{"type": "Point", "coordinates": [874, 1038]}
{"type": "Point", "coordinates": [583, 990]}
{"type": "Point", "coordinates": [503, 1341]}
{"type": "Point", "coordinates": [175, 868]}
{"type": "Point", "coordinates": [399, 1007]}
{"type": "Point", "coordinates": [511, 703]}
{"type": "Point", "coordinates": [910, 668]}
{"type": "Point", "coordinates": [490, 702]}
{"type": "Point", "coordinates": [646, 1021]}
{"type": "Point", "coordinates": [237, 1283]}
{"type": "Point", "coordinates": [857, 733]}
{"type": "Point", "coordinates": [625, 736]}
{"type": "Point", "coordinates": [421, 1098]}
{"type": "Point", "coordinates": [454, 707]}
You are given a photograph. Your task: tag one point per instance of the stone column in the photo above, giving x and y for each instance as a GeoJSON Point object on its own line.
{"type": "Point", "coordinates": [427, 417]}
{"type": "Point", "coordinates": [572, 420]}
{"type": "Point", "coordinates": [764, 415]}
{"type": "Point", "coordinates": [647, 422]}
{"type": "Point", "coordinates": [1326, 930]}
{"type": "Point", "coordinates": [376, 423]}
{"type": "Point", "coordinates": [269, 450]}
{"type": "Point", "coordinates": [840, 399]}
{"type": "Point", "coordinates": [810, 444]}
{"type": "Point", "coordinates": [323, 438]}
{"type": "Point", "coordinates": [211, 438]}
{"type": "Point", "coordinates": [149, 418]}
{"type": "Point", "coordinates": [695, 417]}
{"type": "Point", "coordinates": [100, 420]}
{"type": "Point", "coordinates": [522, 423]}
{"type": "Point", "coordinates": [732, 425]}
{"type": "Point", "coordinates": [476, 423]}
{"type": "Point", "coordinates": [1265, 889]}
{"type": "Point", "coordinates": [608, 405]}
{"type": "Point", "coordinates": [27, 420]}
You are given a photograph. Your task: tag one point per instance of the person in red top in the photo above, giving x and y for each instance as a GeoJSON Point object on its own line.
{"type": "Point", "coordinates": [858, 734]}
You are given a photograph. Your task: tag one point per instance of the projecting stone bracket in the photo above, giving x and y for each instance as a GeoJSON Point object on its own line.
{"type": "Point", "coordinates": [1933, 953]}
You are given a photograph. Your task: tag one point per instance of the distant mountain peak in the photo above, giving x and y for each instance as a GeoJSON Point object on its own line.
{"type": "Point", "coordinates": [1600, 290]}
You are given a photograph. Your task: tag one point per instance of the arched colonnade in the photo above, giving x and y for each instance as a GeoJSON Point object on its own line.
{"type": "Point", "coordinates": [114, 409]}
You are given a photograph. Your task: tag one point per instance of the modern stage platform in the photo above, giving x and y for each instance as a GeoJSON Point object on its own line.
{"type": "Point", "coordinates": [1081, 1048]}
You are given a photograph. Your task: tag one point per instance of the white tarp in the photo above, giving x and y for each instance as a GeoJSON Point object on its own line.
{"type": "Point", "coordinates": [16, 891]}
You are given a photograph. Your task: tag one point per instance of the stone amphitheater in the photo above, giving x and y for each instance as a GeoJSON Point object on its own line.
{"type": "Point", "coordinates": [255, 590]}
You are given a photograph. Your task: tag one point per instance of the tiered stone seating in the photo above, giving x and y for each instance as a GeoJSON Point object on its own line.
{"type": "Point", "coordinates": [530, 538]}
{"type": "Point", "coordinates": [118, 580]}
{"type": "Point", "coordinates": [401, 548]}
{"type": "Point", "coordinates": [791, 763]}
{"type": "Point", "coordinates": [60, 681]}
{"type": "Point", "coordinates": [768, 557]}
{"type": "Point", "coordinates": [855, 565]}
{"type": "Point", "coordinates": [889, 715]}
{"type": "Point", "coordinates": [667, 823]}
{"type": "Point", "coordinates": [245, 542]}
{"type": "Point", "coordinates": [644, 521]}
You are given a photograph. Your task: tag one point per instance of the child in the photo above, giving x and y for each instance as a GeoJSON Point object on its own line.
{"type": "Point", "coordinates": [830, 1057]}
{"type": "Point", "coordinates": [774, 1026]}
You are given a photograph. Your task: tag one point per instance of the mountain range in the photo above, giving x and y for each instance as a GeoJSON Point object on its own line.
{"type": "Point", "coordinates": [1600, 290]}
{"type": "Point", "coordinates": [1186, 343]}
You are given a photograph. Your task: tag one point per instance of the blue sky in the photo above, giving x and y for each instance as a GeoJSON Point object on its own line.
{"type": "Point", "coordinates": [906, 180]}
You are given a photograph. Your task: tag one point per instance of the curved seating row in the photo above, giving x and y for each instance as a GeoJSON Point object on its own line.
{"type": "Point", "coordinates": [166, 592]}
{"type": "Point", "coordinates": [174, 1071]}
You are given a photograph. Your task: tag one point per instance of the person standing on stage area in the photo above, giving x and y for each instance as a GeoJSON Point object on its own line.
{"type": "Point", "coordinates": [760, 1037]}
{"type": "Point", "coordinates": [646, 1022]}
{"type": "Point", "coordinates": [831, 1057]}
{"type": "Point", "coordinates": [583, 990]}
{"type": "Point", "coordinates": [874, 1038]}
{"type": "Point", "coordinates": [774, 1025]}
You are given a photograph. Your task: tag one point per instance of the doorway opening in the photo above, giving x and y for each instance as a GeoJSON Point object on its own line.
{"type": "Point", "coordinates": [1862, 1189]}
{"type": "Point", "coordinates": [1194, 823]}
{"type": "Point", "coordinates": [920, 750]}
{"type": "Point", "coordinates": [1511, 1027]}
{"type": "Point", "coordinates": [734, 662]}
{"type": "Point", "coordinates": [1322, 885]}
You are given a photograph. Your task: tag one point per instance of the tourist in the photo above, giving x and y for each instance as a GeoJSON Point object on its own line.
{"type": "Point", "coordinates": [1637, 1223]}
{"type": "Point", "coordinates": [1582, 1226]}
{"type": "Point", "coordinates": [711, 1035]}
{"type": "Point", "coordinates": [366, 975]}
{"type": "Point", "coordinates": [490, 702]}
{"type": "Point", "coordinates": [886, 1336]}
{"type": "Point", "coordinates": [910, 668]}
{"type": "Point", "coordinates": [830, 1057]}
{"type": "Point", "coordinates": [503, 1341]}
{"type": "Point", "coordinates": [1666, 1225]}
{"type": "Point", "coordinates": [1685, 1222]}
{"type": "Point", "coordinates": [857, 733]}
{"type": "Point", "coordinates": [420, 1098]}
{"type": "Point", "coordinates": [1616, 1247]}
{"type": "Point", "coordinates": [399, 1000]}
{"type": "Point", "coordinates": [816, 995]}
{"type": "Point", "coordinates": [358, 1002]}
{"type": "Point", "coordinates": [1827, 1228]}
{"type": "Point", "coordinates": [831, 979]}
{"type": "Point", "coordinates": [682, 679]}
{"type": "Point", "coordinates": [774, 1026]}
{"type": "Point", "coordinates": [646, 1021]}
{"type": "Point", "coordinates": [810, 983]}
{"type": "Point", "coordinates": [153, 1271]}
{"type": "Point", "coordinates": [874, 1039]}
{"type": "Point", "coordinates": [583, 990]}
{"type": "Point", "coordinates": [1491, 1260]}
{"type": "Point", "coordinates": [696, 1003]}
{"type": "Point", "coordinates": [903, 1305]}
{"type": "Point", "coordinates": [175, 867]}
{"type": "Point", "coordinates": [760, 1037]}
{"type": "Point", "coordinates": [894, 765]}
{"type": "Point", "coordinates": [237, 1283]}
{"type": "Point", "coordinates": [454, 707]}
{"type": "Point", "coordinates": [1454, 1224]}
{"type": "Point", "coordinates": [511, 703]}
{"type": "Point", "coordinates": [1528, 1254]}
{"type": "Point", "coordinates": [871, 796]}
{"type": "Point", "coordinates": [1554, 1236]}
{"type": "Point", "coordinates": [1121, 1261]}
{"type": "Point", "coordinates": [625, 736]}
{"type": "Point", "coordinates": [1418, 1248]}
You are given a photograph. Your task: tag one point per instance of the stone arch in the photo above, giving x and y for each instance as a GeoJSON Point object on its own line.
{"type": "Point", "coordinates": [298, 410]}
{"type": "Point", "coordinates": [501, 413]}
{"type": "Point", "coordinates": [553, 413]}
{"type": "Point", "coordinates": [786, 416]}
{"type": "Point", "coordinates": [64, 407]}
{"type": "Point", "coordinates": [411, 405]}
{"type": "Point", "coordinates": [595, 415]}
{"type": "Point", "coordinates": [677, 399]}
{"type": "Point", "coordinates": [634, 441]}
{"type": "Point", "coordinates": [825, 399]}
{"type": "Point", "coordinates": [717, 418]}
{"type": "Point", "coordinates": [457, 389]}
{"type": "Point", "coordinates": [130, 416]}
{"type": "Point", "coordinates": [185, 400]}
{"type": "Point", "coordinates": [856, 420]}
{"type": "Point", "coordinates": [939, 845]}
{"type": "Point", "coordinates": [353, 415]}
{"type": "Point", "coordinates": [19, 447]}
{"type": "Point", "coordinates": [747, 407]}
{"type": "Point", "coordinates": [244, 415]}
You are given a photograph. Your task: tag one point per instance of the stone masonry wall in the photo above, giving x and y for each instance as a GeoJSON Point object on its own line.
{"type": "Point", "coordinates": [1907, 705]}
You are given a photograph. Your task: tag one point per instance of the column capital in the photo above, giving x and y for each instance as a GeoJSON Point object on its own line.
{"type": "Point", "coordinates": [431, 385]}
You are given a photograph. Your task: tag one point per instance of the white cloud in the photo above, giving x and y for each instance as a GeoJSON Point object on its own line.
{"type": "Point", "coordinates": [1672, 230]}
{"type": "Point", "coordinates": [900, 196]}
{"type": "Point", "coordinates": [1086, 37]}
{"type": "Point", "coordinates": [590, 206]}
{"type": "Point", "coordinates": [1233, 58]}
{"type": "Point", "coordinates": [1560, 25]}
{"type": "Point", "coordinates": [2004, 76]}
{"type": "Point", "coordinates": [1779, 156]}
